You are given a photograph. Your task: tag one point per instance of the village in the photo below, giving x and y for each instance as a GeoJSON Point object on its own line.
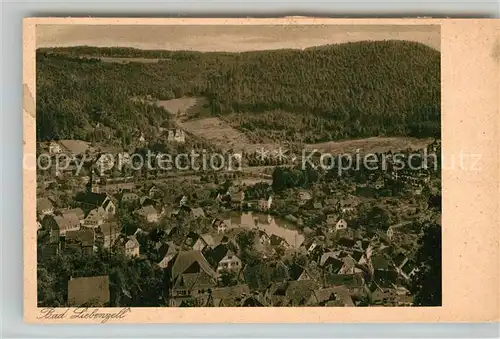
{"type": "Point", "coordinates": [272, 236]}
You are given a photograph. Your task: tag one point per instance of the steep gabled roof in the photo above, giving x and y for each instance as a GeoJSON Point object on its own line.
{"type": "Point", "coordinates": [146, 211]}
{"type": "Point", "coordinates": [298, 292]}
{"type": "Point", "coordinates": [348, 280]}
{"type": "Point", "coordinates": [95, 199]}
{"type": "Point", "coordinates": [379, 262]}
{"type": "Point", "coordinates": [218, 253]}
{"type": "Point", "coordinates": [85, 237]}
{"type": "Point", "coordinates": [333, 295]}
{"type": "Point", "coordinates": [295, 271]}
{"type": "Point", "coordinates": [230, 296]}
{"type": "Point", "coordinates": [346, 242]}
{"type": "Point", "coordinates": [192, 261]}
{"type": "Point", "coordinates": [76, 211]}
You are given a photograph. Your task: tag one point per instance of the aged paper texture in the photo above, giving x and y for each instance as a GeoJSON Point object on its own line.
{"type": "Point", "coordinates": [108, 244]}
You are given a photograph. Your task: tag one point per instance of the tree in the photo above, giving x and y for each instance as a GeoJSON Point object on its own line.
{"type": "Point", "coordinates": [228, 278]}
{"type": "Point", "coordinates": [376, 218]}
{"type": "Point", "coordinates": [313, 104]}
{"type": "Point", "coordinates": [427, 284]}
{"type": "Point", "coordinates": [245, 239]}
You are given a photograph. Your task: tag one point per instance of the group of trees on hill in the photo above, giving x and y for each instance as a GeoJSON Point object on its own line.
{"type": "Point", "coordinates": [346, 90]}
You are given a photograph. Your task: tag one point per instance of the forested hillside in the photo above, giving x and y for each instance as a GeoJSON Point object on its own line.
{"type": "Point", "coordinates": [349, 90]}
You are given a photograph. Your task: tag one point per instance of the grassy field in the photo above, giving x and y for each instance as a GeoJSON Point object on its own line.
{"type": "Point", "coordinates": [129, 60]}
{"type": "Point", "coordinates": [226, 136]}
{"type": "Point", "coordinates": [221, 134]}
{"type": "Point", "coordinates": [184, 107]}
{"type": "Point", "coordinates": [370, 145]}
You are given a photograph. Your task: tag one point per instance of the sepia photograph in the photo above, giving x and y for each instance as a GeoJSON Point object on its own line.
{"type": "Point", "coordinates": [238, 166]}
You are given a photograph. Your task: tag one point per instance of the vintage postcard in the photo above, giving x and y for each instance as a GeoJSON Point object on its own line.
{"type": "Point", "coordinates": [261, 170]}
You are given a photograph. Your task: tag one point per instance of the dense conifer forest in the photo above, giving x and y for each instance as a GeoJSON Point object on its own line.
{"type": "Point", "coordinates": [351, 90]}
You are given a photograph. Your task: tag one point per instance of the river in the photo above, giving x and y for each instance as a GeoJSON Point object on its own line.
{"type": "Point", "coordinates": [265, 222]}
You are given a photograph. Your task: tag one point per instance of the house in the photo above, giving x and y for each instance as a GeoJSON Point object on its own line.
{"type": "Point", "coordinates": [92, 200]}
{"type": "Point", "coordinates": [339, 262]}
{"type": "Point", "coordinates": [167, 251]}
{"type": "Point", "coordinates": [407, 270]}
{"type": "Point", "coordinates": [155, 192]}
{"type": "Point", "coordinates": [335, 223]}
{"type": "Point", "coordinates": [311, 247]}
{"type": "Point", "coordinates": [291, 293]}
{"type": "Point", "coordinates": [197, 213]}
{"type": "Point", "coordinates": [182, 201]}
{"type": "Point", "coordinates": [68, 222]}
{"type": "Point", "coordinates": [331, 263]}
{"type": "Point", "coordinates": [210, 241]}
{"type": "Point", "coordinates": [265, 204]}
{"type": "Point", "coordinates": [109, 232]}
{"type": "Point", "coordinates": [379, 263]}
{"type": "Point", "coordinates": [219, 225]}
{"type": "Point", "coordinates": [390, 296]}
{"type": "Point", "coordinates": [331, 220]}
{"type": "Point", "coordinates": [237, 198]}
{"type": "Point", "coordinates": [88, 291]}
{"type": "Point", "coordinates": [195, 242]}
{"type": "Point", "coordinates": [418, 190]}
{"type": "Point", "coordinates": [318, 206]}
{"type": "Point", "coordinates": [53, 228]}
{"type": "Point", "coordinates": [359, 257]}
{"type": "Point", "coordinates": [341, 224]}
{"type": "Point", "coordinates": [232, 296]}
{"type": "Point", "coordinates": [95, 218]}
{"type": "Point", "coordinates": [44, 206]}
{"type": "Point", "coordinates": [202, 242]}
{"type": "Point", "coordinates": [78, 212]}
{"type": "Point", "coordinates": [123, 159]}
{"type": "Point", "coordinates": [282, 236]}
{"type": "Point", "coordinates": [304, 197]}
{"type": "Point", "coordinates": [54, 148]}
{"type": "Point", "coordinates": [76, 147]}
{"type": "Point", "coordinates": [354, 283]}
{"type": "Point", "coordinates": [298, 272]}
{"type": "Point", "coordinates": [81, 241]}
{"type": "Point", "coordinates": [104, 163]}
{"type": "Point", "coordinates": [129, 245]}
{"type": "Point", "coordinates": [346, 244]}
{"type": "Point", "coordinates": [392, 230]}
{"type": "Point", "coordinates": [385, 278]}
{"type": "Point", "coordinates": [64, 224]}
{"type": "Point", "coordinates": [141, 138]}
{"type": "Point", "coordinates": [348, 205]}
{"type": "Point", "coordinates": [333, 296]}
{"type": "Point", "coordinates": [146, 200]}
{"type": "Point", "coordinates": [191, 278]}
{"type": "Point", "coordinates": [132, 246]}
{"type": "Point", "coordinates": [223, 259]}
{"type": "Point", "coordinates": [254, 300]}
{"type": "Point", "coordinates": [365, 247]}
{"type": "Point", "coordinates": [349, 266]}
{"type": "Point", "coordinates": [127, 197]}
{"type": "Point", "coordinates": [263, 238]}
{"type": "Point", "coordinates": [177, 135]}
{"type": "Point", "coordinates": [379, 183]}
{"type": "Point", "coordinates": [148, 213]}
{"type": "Point", "coordinates": [331, 203]}
{"type": "Point", "coordinates": [276, 240]}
